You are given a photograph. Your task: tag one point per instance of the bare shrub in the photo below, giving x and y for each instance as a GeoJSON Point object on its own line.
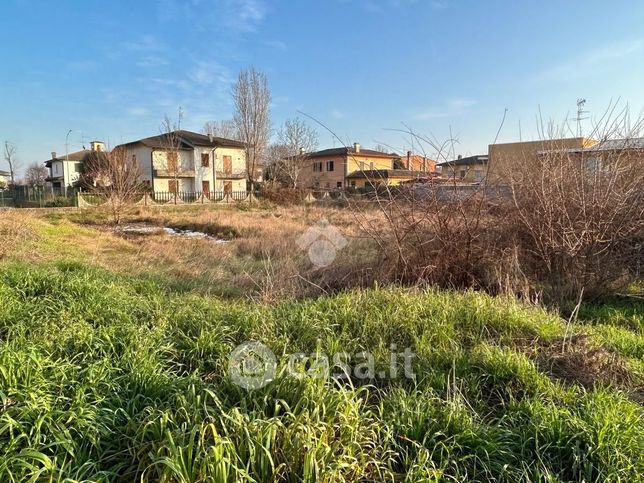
{"type": "Point", "coordinates": [580, 214]}
{"type": "Point", "coordinates": [118, 177]}
{"type": "Point", "coordinates": [562, 221]}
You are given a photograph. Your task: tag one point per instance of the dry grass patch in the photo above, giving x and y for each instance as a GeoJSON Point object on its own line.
{"type": "Point", "coordinates": [579, 360]}
{"type": "Point", "coordinates": [260, 259]}
{"type": "Point", "coordinates": [14, 230]}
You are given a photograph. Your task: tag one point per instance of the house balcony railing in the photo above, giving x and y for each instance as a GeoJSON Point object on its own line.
{"type": "Point", "coordinates": [231, 174]}
{"type": "Point", "coordinates": [179, 173]}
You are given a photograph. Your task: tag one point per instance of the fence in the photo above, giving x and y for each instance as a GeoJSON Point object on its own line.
{"type": "Point", "coordinates": [29, 197]}
{"type": "Point", "coordinates": [166, 197]}
{"type": "Point", "coordinates": [38, 197]}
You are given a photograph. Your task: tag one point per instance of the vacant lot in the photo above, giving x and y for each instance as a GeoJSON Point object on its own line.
{"type": "Point", "coordinates": [114, 362]}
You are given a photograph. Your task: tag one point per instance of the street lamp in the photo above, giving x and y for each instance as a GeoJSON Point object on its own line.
{"type": "Point", "coordinates": [66, 159]}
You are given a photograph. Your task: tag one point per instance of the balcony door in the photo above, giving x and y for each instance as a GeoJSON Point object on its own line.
{"type": "Point", "coordinates": [228, 165]}
{"type": "Point", "coordinates": [172, 161]}
{"type": "Point", "coordinates": [228, 187]}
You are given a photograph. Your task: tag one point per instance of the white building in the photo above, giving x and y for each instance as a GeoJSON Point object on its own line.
{"type": "Point", "coordinates": [189, 162]}
{"type": "Point", "coordinates": [4, 179]}
{"type": "Point", "coordinates": [65, 171]}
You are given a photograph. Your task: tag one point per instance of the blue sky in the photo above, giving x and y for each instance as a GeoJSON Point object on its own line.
{"type": "Point", "coordinates": [111, 70]}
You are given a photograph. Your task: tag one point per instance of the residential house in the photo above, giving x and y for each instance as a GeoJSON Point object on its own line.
{"type": "Point", "coordinates": [508, 159]}
{"type": "Point", "coordinates": [417, 162]}
{"type": "Point", "coordinates": [65, 171]}
{"type": "Point", "coordinates": [5, 176]}
{"type": "Point", "coordinates": [470, 169]}
{"type": "Point", "coordinates": [185, 161]}
{"type": "Point", "coordinates": [339, 167]}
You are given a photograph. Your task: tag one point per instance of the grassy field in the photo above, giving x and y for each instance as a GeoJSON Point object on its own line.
{"type": "Point", "coordinates": [114, 364]}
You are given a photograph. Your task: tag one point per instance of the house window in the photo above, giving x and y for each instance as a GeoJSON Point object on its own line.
{"type": "Point", "coordinates": [134, 158]}
{"type": "Point", "coordinates": [371, 165]}
{"type": "Point", "coordinates": [353, 184]}
{"type": "Point", "coordinates": [462, 173]}
{"type": "Point", "coordinates": [338, 184]}
{"type": "Point", "coordinates": [361, 165]}
{"type": "Point", "coordinates": [317, 167]}
{"type": "Point", "coordinates": [594, 164]}
{"type": "Point", "coordinates": [77, 168]}
{"type": "Point", "coordinates": [205, 160]}
{"type": "Point", "coordinates": [478, 174]}
{"type": "Point", "coordinates": [329, 165]}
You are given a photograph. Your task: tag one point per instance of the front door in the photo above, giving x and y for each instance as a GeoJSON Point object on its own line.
{"type": "Point", "coordinates": [228, 187]}
{"type": "Point", "coordinates": [228, 164]}
{"type": "Point", "coordinates": [173, 186]}
{"type": "Point", "coordinates": [205, 187]}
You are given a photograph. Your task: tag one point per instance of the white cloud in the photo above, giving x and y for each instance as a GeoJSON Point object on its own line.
{"type": "Point", "coordinates": [151, 61]}
{"type": "Point", "coordinates": [460, 102]}
{"type": "Point", "coordinates": [336, 114]}
{"type": "Point", "coordinates": [590, 62]}
{"type": "Point", "coordinates": [143, 43]}
{"type": "Point", "coordinates": [241, 15]}
{"type": "Point", "coordinates": [137, 111]}
{"type": "Point", "coordinates": [451, 107]}
{"type": "Point", "coordinates": [207, 72]}
{"type": "Point", "coordinates": [246, 14]}
{"type": "Point", "coordinates": [275, 44]}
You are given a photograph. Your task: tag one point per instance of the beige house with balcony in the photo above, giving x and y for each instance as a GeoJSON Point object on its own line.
{"type": "Point", "coordinates": [338, 168]}
{"type": "Point", "coordinates": [189, 162]}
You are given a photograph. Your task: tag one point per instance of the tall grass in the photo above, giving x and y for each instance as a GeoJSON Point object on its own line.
{"type": "Point", "coordinates": [114, 378]}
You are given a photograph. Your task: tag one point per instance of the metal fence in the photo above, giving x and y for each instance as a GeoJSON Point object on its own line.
{"type": "Point", "coordinates": [38, 197]}
{"type": "Point", "coordinates": [196, 196]}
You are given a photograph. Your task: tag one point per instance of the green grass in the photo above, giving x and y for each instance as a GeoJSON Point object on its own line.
{"type": "Point", "coordinates": [108, 377]}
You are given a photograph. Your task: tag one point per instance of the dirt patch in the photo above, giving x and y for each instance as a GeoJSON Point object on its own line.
{"type": "Point", "coordinates": [578, 360]}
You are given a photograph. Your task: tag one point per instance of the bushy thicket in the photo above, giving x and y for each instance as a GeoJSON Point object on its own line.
{"type": "Point", "coordinates": [566, 224]}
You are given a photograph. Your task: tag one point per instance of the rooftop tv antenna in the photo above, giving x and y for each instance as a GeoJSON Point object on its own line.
{"type": "Point", "coordinates": [580, 114]}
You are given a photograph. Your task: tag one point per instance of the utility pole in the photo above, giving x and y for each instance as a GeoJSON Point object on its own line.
{"type": "Point", "coordinates": [580, 113]}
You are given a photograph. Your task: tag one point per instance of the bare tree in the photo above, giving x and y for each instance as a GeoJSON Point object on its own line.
{"type": "Point", "coordinates": [381, 148]}
{"type": "Point", "coordinates": [252, 99]}
{"type": "Point", "coordinates": [119, 177]}
{"type": "Point", "coordinates": [172, 143]}
{"type": "Point", "coordinates": [10, 158]}
{"type": "Point", "coordinates": [222, 129]}
{"type": "Point", "coordinates": [296, 140]}
{"type": "Point", "coordinates": [36, 174]}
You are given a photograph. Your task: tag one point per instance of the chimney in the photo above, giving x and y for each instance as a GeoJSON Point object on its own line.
{"type": "Point", "coordinates": [459, 157]}
{"type": "Point", "coordinates": [408, 159]}
{"type": "Point", "coordinates": [53, 155]}
{"type": "Point", "coordinates": [356, 147]}
{"type": "Point", "coordinates": [97, 146]}
{"type": "Point", "coordinates": [301, 150]}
